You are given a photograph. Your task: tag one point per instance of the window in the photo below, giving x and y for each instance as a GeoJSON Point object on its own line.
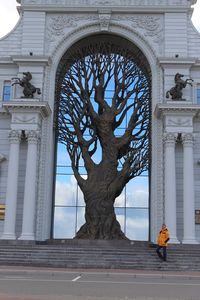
{"type": "Point", "coordinates": [198, 95]}
{"type": "Point", "coordinates": [7, 91]}
{"type": "Point", "coordinates": [131, 207]}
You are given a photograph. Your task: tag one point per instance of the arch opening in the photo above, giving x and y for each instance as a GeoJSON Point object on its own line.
{"type": "Point", "coordinates": [102, 121]}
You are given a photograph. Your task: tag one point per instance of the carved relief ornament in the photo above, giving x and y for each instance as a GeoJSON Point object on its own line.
{"type": "Point", "coordinates": [14, 136]}
{"type": "Point", "coordinates": [104, 19]}
{"type": "Point", "coordinates": [24, 119]}
{"type": "Point", "coordinates": [151, 25]}
{"type": "Point", "coordinates": [169, 138]}
{"type": "Point", "coordinates": [188, 139]}
{"type": "Point", "coordinates": [183, 122]}
{"type": "Point", "coordinates": [32, 136]}
{"type": "Point", "coordinates": [57, 24]}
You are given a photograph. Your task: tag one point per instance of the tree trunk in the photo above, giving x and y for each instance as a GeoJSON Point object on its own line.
{"type": "Point", "coordinates": [101, 222]}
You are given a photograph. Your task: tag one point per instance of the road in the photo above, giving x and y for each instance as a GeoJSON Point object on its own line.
{"type": "Point", "coordinates": [61, 284]}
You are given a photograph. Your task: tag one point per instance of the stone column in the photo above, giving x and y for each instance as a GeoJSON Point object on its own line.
{"type": "Point", "coordinates": [188, 190]}
{"type": "Point", "coordinates": [28, 222]}
{"type": "Point", "coordinates": [12, 185]}
{"type": "Point", "coordinates": [170, 185]}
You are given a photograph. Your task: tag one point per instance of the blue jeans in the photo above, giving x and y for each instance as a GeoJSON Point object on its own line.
{"type": "Point", "coordinates": [163, 256]}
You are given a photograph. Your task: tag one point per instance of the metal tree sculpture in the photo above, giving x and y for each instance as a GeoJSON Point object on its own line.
{"type": "Point", "coordinates": [88, 120]}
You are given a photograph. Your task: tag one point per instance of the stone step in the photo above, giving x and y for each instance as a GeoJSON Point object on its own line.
{"type": "Point", "coordinates": [94, 254]}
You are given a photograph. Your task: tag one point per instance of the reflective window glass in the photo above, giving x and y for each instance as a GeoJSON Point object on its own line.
{"type": "Point", "coordinates": [7, 91]}
{"type": "Point", "coordinates": [137, 224]}
{"type": "Point", "coordinates": [198, 95]}
{"type": "Point", "coordinates": [64, 222]}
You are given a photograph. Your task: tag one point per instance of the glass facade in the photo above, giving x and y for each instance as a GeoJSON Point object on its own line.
{"type": "Point", "coordinates": [131, 207]}
{"type": "Point", "coordinates": [7, 91]}
{"type": "Point", "coordinates": [110, 83]}
{"type": "Point", "coordinates": [198, 95]}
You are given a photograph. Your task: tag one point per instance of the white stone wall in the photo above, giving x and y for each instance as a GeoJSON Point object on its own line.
{"type": "Point", "coordinates": [11, 43]}
{"type": "Point", "coordinates": [193, 40]}
{"type": "Point", "coordinates": [176, 34]}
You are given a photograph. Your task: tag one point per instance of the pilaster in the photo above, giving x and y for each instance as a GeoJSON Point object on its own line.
{"type": "Point", "coordinates": [170, 185]}
{"type": "Point", "coordinates": [188, 190]}
{"type": "Point", "coordinates": [28, 223]}
{"type": "Point", "coordinates": [12, 185]}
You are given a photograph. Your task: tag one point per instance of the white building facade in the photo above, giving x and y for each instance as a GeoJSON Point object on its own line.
{"type": "Point", "coordinates": [163, 31]}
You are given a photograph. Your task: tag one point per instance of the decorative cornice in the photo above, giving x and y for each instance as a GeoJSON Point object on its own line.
{"type": "Point", "coordinates": [115, 4]}
{"type": "Point", "coordinates": [177, 107]}
{"type": "Point", "coordinates": [39, 106]}
{"type": "Point", "coordinates": [189, 61]}
{"type": "Point", "coordinates": [31, 59]}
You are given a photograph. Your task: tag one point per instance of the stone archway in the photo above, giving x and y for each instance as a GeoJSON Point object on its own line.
{"type": "Point", "coordinates": [131, 88]}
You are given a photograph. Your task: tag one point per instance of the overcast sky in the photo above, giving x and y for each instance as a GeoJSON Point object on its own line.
{"type": "Point", "coordinates": [9, 15]}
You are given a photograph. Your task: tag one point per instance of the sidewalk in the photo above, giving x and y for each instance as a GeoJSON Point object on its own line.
{"type": "Point", "coordinates": [136, 273]}
{"type": "Point", "coordinates": [85, 298]}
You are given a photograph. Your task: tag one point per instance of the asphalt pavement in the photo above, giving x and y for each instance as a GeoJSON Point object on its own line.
{"type": "Point", "coordinates": [25, 283]}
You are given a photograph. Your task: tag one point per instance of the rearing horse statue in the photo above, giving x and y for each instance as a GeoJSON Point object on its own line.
{"type": "Point", "coordinates": [176, 91]}
{"type": "Point", "coordinates": [29, 89]}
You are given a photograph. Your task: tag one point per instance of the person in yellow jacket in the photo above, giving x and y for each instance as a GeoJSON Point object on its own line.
{"type": "Point", "coordinates": [163, 238]}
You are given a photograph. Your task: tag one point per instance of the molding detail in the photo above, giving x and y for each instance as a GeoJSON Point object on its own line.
{"type": "Point", "coordinates": [92, 3]}
{"type": "Point", "coordinates": [169, 139]}
{"type": "Point", "coordinates": [151, 25]}
{"type": "Point", "coordinates": [188, 139]}
{"type": "Point", "coordinates": [173, 107]}
{"type": "Point", "coordinates": [32, 136]}
{"type": "Point", "coordinates": [14, 136]}
{"type": "Point", "coordinates": [104, 19]}
{"type": "Point", "coordinates": [18, 105]}
{"type": "Point", "coordinates": [24, 119]}
{"type": "Point", "coordinates": [114, 28]}
{"type": "Point", "coordinates": [57, 24]}
{"type": "Point", "coordinates": [179, 122]}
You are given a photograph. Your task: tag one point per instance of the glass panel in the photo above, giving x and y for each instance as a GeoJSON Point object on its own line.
{"type": "Point", "coordinates": [137, 192]}
{"type": "Point", "coordinates": [64, 170]}
{"type": "Point", "coordinates": [198, 96]}
{"type": "Point", "coordinates": [137, 224]}
{"type": "Point", "coordinates": [66, 190]}
{"type": "Point", "coordinates": [63, 156]}
{"type": "Point", "coordinates": [64, 222]}
{"type": "Point", "coordinates": [7, 92]}
{"type": "Point", "coordinates": [120, 215]}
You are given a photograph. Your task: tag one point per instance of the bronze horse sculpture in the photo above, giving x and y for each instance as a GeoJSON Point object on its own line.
{"type": "Point", "coordinates": [176, 91]}
{"type": "Point", "coordinates": [29, 89]}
